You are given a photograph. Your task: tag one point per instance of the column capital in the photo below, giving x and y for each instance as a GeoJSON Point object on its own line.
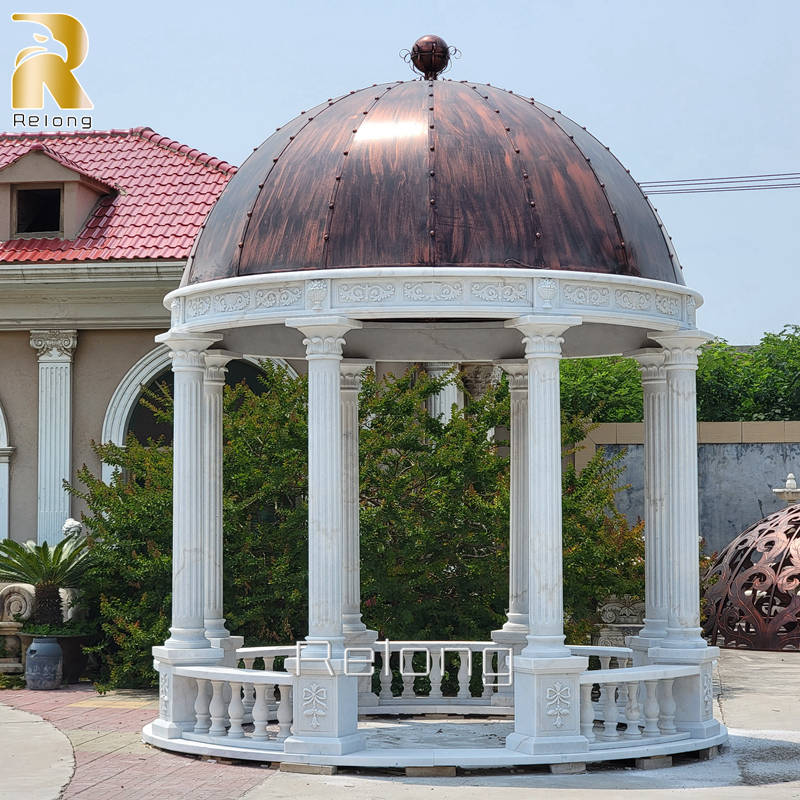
{"type": "Point", "coordinates": [54, 345]}
{"type": "Point", "coordinates": [350, 370]}
{"type": "Point", "coordinates": [324, 335]}
{"type": "Point", "coordinates": [651, 362]}
{"type": "Point", "coordinates": [542, 334]}
{"type": "Point", "coordinates": [517, 371]}
{"type": "Point", "coordinates": [188, 352]}
{"type": "Point", "coordinates": [215, 363]}
{"type": "Point", "coordinates": [680, 347]}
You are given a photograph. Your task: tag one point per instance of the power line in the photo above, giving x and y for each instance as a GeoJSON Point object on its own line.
{"type": "Point", "coordinates": [731, 183]}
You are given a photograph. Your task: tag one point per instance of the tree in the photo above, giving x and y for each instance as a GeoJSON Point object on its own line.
{"type": "Point", "coordinates": [601, 389]}
{"type": "Point", "coordinates": [434, 523]}
{"type": "Point", "coordinates": [48, 569]}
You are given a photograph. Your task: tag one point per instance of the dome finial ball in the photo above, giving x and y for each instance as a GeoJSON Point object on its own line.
{"type": "Point", "coordinates": [430, 55]}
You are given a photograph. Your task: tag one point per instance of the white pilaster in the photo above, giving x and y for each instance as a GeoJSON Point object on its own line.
{"type": "Point", "coordinates": [440, 405]}
{"type": "Point", "coordinates": [355, 631]}
{"type": "Point", "coordinates": [325, 699]}
{"type": "Point", "coordinates": [54, 349]}
{"type": "Point", "coordinates": [546, 689]}
{"type": "Point", "coordinates": [656, 473]}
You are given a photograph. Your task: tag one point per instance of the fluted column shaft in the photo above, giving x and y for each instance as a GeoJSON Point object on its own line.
{"type": "Point", "coordinates": [656, 475]}
{"type": "Point", "coordinates": [542, 339]}
{"type": "Point", "coordinates": [351, 372]}
{"type": "Point", "coordinates": [683, 618]}
{"type": "Point", "coordinates": [326, 547]}
{"type": "Point", "coordinates": [213, 386]}
{"type": "Point", "coordinates": [518, 567]}
{"type": "Point", "coordinates": [189, 484]}
{"type": "Point", "coordinates": [54, 349]}
{"type": "Point", "coordinates": [440, 405]}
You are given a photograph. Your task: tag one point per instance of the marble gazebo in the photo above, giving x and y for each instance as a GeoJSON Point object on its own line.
{"type": "Point", "coordinates": [416, 221]}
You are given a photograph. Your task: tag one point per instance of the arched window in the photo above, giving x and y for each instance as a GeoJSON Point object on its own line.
{"type": "Point", "coordinates": [148, 371]}
{"type": "Point", "coordinates": [143, 423]}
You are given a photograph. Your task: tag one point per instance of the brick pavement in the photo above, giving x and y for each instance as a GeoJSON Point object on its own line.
{"type": "Point", "coordinates": [110, 759]}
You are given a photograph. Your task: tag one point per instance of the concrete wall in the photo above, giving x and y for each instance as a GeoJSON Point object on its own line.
{"type": "Point", "coordinates": [739, 463]}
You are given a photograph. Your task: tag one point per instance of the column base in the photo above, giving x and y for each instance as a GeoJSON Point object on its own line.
{"type": "Point", "coordinates": [325, 745]}
{"type": "Point", "coordinates": [641, 644]}
{"type": "Point", "coordinates": [684, 639]}
{"type": "Point", "coordinates": [547, 705]}
{"type": "Point", "coordinates": [229, 645]}
{"type": "Point", "coordinates": [201, 656]}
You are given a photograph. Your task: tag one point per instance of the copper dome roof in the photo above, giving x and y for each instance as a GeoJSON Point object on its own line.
{"type": "Point", "coordinates": [752, 590]}
{"type": "Point", "coordinates": [432, 173]}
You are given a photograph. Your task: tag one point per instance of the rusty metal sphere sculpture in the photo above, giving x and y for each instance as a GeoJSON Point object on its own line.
{"type": "Point", "coordinates": [752, 590]}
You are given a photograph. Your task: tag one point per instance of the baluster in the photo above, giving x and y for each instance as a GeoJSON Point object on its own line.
{"type": "Point", "coordinates": [217, 709]}
{"type": "Point", "coordinates": [488, 691]}
{"type": "Point", "coordinates": [261, 712]}
{"type": "Point", "coordinates": [248, 662]}
{"type": "Point", "coordinates": [408, 680]}
{"type": "Point", "coordinates": [386, 680]}
{"type": "Point", "coordinates": [622, 694]}
{"type": "Point", "coordinates": [605, 663]}
{"type": "Point", "coordinates": [236, 711]}
{"type": "Point", "coordinates": [651, 709]}
{"type": "Point", "coordinates": [464, 659]}
{"type": "Point", "coordinates": [202, 718]}
{"type": "Point", "coordinates": [587, 712]}
{"type": "Point", "coordinates": [284, 712]}
{"type": "Point", "coordinates": [666, 719]}
{"type": "Point", "coordinates": [436, 675]}
{"type": "Point", "coordinates": [610, 712]}
{"type": "Point", "coordinates": [632, 712]}
{"type": "Point", "coordinates": [268, 663]}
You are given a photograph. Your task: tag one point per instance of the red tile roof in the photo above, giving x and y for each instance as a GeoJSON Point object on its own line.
{"type": "Point", "coordinates": [164, 190]}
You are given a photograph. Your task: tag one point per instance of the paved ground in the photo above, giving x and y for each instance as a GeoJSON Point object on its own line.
{"type": "Point", "coordinates": [759, 701]}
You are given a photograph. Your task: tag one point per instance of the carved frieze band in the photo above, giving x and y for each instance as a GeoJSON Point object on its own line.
{"type": "Point", "coordinates": [543, 293]}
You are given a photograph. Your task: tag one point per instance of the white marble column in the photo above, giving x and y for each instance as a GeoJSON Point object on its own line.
{"type": "Point", "coordinates": [656, 473]}
{"type": "Point", "coordinates": [682, 527]}
{"type": "Point", "coordinates": [355, 631]}
{"type": "Point", "coordinates": [213, 385]}
{"type": "Point", "coordinates": [188, 492]}
{"type": "Point", "coordinates": [517, 621]}
{"type": "Point", "coordinates": [324, 340]}
{"type": "Point", "coordinates": [322, 683]}
{"type": "Point", "coordinates": [54, 349]}
{"type": "Point", "coordinates": [440, 405]}
{"type": "Point", "coordinates": [546, 675]}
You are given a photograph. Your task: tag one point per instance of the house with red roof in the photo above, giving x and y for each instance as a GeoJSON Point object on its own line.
{"type": "Point", "coordinates": [95, 228]}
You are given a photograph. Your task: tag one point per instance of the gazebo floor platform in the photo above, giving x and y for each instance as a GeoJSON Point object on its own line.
{"type": "Point", "coordinates": [434, 742]}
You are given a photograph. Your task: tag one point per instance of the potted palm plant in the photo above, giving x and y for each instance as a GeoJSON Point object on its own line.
{"type": "Point", "coordinates": [48, 570]}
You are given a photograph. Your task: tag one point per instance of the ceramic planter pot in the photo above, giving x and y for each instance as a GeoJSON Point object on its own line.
{"type": "Point", "coordinates": [43, 663]}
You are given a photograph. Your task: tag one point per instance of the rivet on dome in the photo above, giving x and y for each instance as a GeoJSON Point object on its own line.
{"type": "Point", "coordinates": [430, 108]}
{"type": "Point", "coordinates": [274, 159]}
{"type": "Point", "coordinates": [433, 202]}
{"type": "Point", "coordinates": [302, 112]}
{"type": "Point", "coordinates": [291, 138]}
{"type": "Point", "coordinates": [352, 91]}
{"type": "Point", "coordinates": [338, 178]}
{"type": "Point", "coordinates": [538, 235]}
{"type": "Point", "coordinates": [260, 185]}
{"type": "Point", "coordinates": [431, 125]}
{"type": "Point", "coordinates": [431, 147]}
{"type": "Point", "coordinates": [516, 149]}
{"type": "Point", "coordinates": [330, 205]}
{"type": "Point", "coordinates": [310, 118]}
{"type": "Point", "coordinates": [533, 204]}
{"type": "Point", "coordinates": [365, 112]}
{"type": "Point", "coordinates": [432, 233]}
{"type": "Point", "coordinates": [325, 236]}
{"type": "Point", "coordinates": [507, 128]}
{"type": "Point", "coordinates": [525, 175]}
{"type": "Point", "coordinates": [497, 111]}
{"type": "Point", "coordinates": [346, 152]}
{"type": "Point", "coordinates": [432, 173]}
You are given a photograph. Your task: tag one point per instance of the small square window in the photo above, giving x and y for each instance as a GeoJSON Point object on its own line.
{"type": "Point", "coordinates": [38, 211]}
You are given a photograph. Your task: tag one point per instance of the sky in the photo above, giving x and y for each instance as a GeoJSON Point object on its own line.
{"type": "Point", "coordinates": [677, 89]}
